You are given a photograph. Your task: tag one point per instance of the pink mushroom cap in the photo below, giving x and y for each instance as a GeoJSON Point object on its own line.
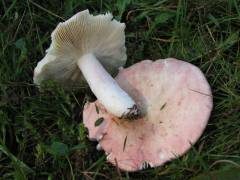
{"type": "Point", "coordinates": [176, 102]}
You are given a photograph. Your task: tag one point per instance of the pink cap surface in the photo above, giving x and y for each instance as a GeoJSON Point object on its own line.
{"type": "Point", "coordinates": [176, 100]}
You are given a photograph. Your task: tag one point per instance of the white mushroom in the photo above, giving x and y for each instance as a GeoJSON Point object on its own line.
{"type": "Point", "coordinates": [85, 45]}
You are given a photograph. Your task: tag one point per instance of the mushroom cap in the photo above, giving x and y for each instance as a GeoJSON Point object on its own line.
{"type": "Point", "coordinates": [177, 101]}
{"type": "Point", "coordinates": [81, 34]}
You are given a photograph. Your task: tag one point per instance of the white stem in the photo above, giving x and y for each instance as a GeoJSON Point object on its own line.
{"type": "Point", "coordinates": [105, 88]}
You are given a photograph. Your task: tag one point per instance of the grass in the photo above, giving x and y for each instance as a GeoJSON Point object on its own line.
{"type": "Point", "coordinates": [41, 132]}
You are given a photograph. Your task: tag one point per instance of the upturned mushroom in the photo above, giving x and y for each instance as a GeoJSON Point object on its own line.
{"type": "Point", "coordinates": [176, 100]}
{"type": "Point", "coordinates": [83, 46]}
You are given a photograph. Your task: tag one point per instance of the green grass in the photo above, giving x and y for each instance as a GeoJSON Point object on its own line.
{"type": "Point", "coordinates": [41, 132]}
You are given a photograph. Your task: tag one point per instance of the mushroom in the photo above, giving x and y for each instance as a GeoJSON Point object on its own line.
{"type": "Point", "coordinates": [85, 45]}
{"type": "Point", "coordinates": [176, 100]}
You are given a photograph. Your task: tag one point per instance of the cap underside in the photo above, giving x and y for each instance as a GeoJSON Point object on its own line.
{"type": "Point", "coordinates": [81, 34]}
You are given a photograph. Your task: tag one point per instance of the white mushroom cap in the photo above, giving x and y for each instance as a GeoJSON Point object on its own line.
{"type": "Point", "coordinates": [82, 34]}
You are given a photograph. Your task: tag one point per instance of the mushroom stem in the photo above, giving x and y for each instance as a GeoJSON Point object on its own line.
{"type": "Point", "coordinates": [106, 89]}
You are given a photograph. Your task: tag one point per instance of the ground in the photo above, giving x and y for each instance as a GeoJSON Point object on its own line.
{"type": "Point", "coordinates": [41, 131]}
